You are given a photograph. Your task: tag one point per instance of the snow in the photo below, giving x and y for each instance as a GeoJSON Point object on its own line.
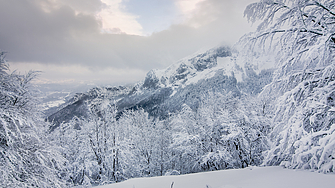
{"type": "Point", "coordinates": [53, 99]}
{"type": "Point", "coordinates": [192, 74]}
{"type": "Point", "coordinates": [225, 62]}
{"type": "Point", "coordinates": [251, 177]}
{"type": "Point", "coordinates": [203, 75]}
{"type": "Point", "coordinates": [54, 103]}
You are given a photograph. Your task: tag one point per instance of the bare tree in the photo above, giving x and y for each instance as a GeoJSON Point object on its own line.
{"type": "Point", "coordinates": [302, 32]}
{"type": "Point", "coordinates": [26, 160]}
{"type": "Point", "coordinates": [15, 91]}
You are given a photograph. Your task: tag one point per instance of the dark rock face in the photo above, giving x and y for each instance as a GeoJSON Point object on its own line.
{"type": "Point", "coordinates": [151, 80]}
{"type": "Point", "coordinates": [78, 109]}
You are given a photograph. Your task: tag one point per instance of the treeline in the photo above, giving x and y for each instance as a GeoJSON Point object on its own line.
{"type": "Point", "coordinates": [223, 133]}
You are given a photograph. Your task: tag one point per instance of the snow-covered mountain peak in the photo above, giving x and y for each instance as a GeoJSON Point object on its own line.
{"type": "Point", "coordinates": [187, 70]}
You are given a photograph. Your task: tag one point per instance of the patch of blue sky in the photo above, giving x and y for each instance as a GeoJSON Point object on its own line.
{"type": "Point", "coordinates": [153, 15]}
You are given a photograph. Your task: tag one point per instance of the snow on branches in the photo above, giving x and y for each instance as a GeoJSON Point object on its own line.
{"type": "Point", "coordinates": [301, 32]}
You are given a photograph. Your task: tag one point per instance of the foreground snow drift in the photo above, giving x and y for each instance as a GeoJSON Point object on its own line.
{"type": "Point", "coordinates": [257, 177]}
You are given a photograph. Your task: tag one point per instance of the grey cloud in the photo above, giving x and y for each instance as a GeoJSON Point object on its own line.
{"type": "Point", "coordinates": [84, 6]}
{"type": "Point", "coordinates": [30, 34]}
{"type": "Point", "coordinates": [222, 16]}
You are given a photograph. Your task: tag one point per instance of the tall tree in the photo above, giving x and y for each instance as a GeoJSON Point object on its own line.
{"type": "Point", "coordinates": [302, 33]}
{"type": "Point", "coordinates": [26, 159]}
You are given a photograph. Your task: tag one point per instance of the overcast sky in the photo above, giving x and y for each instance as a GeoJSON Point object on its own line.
{"type": "Point", "coordinates": [113, 41]}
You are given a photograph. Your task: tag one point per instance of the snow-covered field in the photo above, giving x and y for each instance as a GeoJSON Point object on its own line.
{"type": "Point", "coordinates": [251, 177]}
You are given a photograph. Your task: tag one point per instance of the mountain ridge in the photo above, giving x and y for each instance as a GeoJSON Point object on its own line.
{"type": "Point", "coordinates": [164, 91]}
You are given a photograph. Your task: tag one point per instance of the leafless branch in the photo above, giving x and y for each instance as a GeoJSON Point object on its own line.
{"type": "Point", "coordinates": [325, 8]}
{"type": "Point", "coordinates": [288, 30]}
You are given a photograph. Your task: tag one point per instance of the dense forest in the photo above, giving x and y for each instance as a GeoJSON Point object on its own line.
{"type": "Point", "coordinates": [280, 116]}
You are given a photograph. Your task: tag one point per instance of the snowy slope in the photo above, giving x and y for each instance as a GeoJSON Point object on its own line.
{"type": "Point", "coordinates": [165, 90]}
{"type": "Point", "coordinates": [185, 82]}
{"type": "Point", "coordinates": [252, 177]}
{"type": "Point", "coordinates": [191, 69]}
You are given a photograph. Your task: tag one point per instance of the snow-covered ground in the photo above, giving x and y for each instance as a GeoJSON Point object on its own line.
{"type": "Point", "coordinates": [251, 177]}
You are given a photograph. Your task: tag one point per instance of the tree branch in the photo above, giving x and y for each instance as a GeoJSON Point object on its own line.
{"type": "Point", "coordinates": [323, 27]}
{"type": "Point", "coordinates": [270, 32]}
{"type": "Point", "coordinates": [289, 30]}
{"type": "Point", "coordinates": [283, 5]}
{"type": "Point", "coordinates": [320, 5]}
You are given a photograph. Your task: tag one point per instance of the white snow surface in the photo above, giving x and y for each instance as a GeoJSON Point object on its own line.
{"type": "Point", "coordinates": [251, 177]}
{"type": "Point", "coordinates": [193, 76]}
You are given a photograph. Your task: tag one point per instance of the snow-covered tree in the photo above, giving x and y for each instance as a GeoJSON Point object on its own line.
{"type": "Point", "coordinates": [92, 145]}
{"type": "Point", "coordinates": [225, 132]}
{"type": "Point", "coordinates": [302, 34]}
{"type": "Point", "coordinates": [186, 141]}
{"type": "Point", "coordinates": [71, 140]}
{"type": "Point", "coordinates": [303, 132]}
{"type": "Point", "coordinates": [238, 132]}
{"type": "Point", "coordinates": [146, 140]}
{"type": "Point", "coordinates": [15, 89]}
{"type": "Point", "coordinates": [26, 159]}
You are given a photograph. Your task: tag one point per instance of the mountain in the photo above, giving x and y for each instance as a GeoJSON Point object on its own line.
{"type": "Point", "coordinates": [54, 96]}
{"type": "Point", "coordinates": [165, 91]}
{"type": "Point", "coordinates": [77, 106]}
{"type": "Point", "coordinates": [283, 116]}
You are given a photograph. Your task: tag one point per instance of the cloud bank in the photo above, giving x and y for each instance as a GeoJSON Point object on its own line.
{"type": "Point", "coordinates": [100, 35]}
